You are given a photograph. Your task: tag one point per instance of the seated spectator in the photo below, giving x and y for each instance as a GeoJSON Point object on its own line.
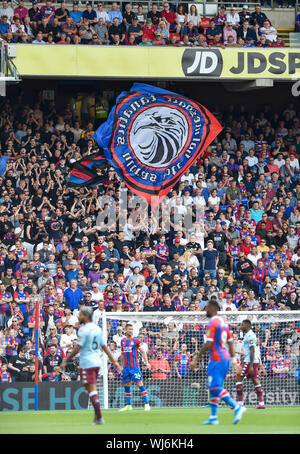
{"type": "Point", "coordinates": [201, 41]}
{"type": "Point", "coordinates": [212, 31]}
{"type": "Point", "coordinates": [128, 15]}
{"type": "Point", "coordinates": [102, 14]}
{"type": "Point", "coordinates": [171, 18]}
{"type": "Point", "coordinates": [69, 28]}
{"type": "Point", "coordinates": [248, 34]}
{"type": "Point", "coordinates": [149, 30]}
{"type": "Point", "coordinates": [191, 32]}
{"type": "Point", "coordinates": [17, 29]}
{"type": "Point", "coordinates": [233, 18]}
{"type": "Point", "coordinates": [164, 32]}
{"type": "Point", "coordinates": [117, 29]}
{"type": "Point", "coordinates": [244, 15]}
{"type": "Point", "coordinates": [62, 13]}
{"type": "Point", "coordinates": [114, 13]}
{"type": "Point", "coordinates": [182, 17]}
{"type": "Point", "coordinates": [76, 15]}
{"type": "Point", "coordinates": [4, 27]}
{"type": "Point", "coordinates": [141, 16]}
{"type": "Point", "coordinates": [135, 30]}
{"type": "Point", "coordinates": [131, 41]}
{"type": "Point", "coordinates": [258, 17]}
{"type": "Point", "coordinates": [278, 43]}
{"type": "Point", "coordinates": [229, 31]}
{"type": "Point", "coordinates": [268, 31]}
{"type": "Point", "coordinates": [158, 41]}
{"type": "Point", "coordinates": [86, 32]}
{"type": "Point", "coordinates": [90, 14]}
{"type": "Point", "coordinates": [55, 30]}
{"type": "Point", "coordinates": [154, 15]}
{"type": "Point", "coordinates": [20, 11]}
{"type": "Point", "coordinates": [194, 16]}
{"type": "Point", "coordinates": [48, 11]}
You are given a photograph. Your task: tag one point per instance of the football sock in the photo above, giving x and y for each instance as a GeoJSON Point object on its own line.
{"type": "Point", "coordinates": [239, 390]}
{"type": "Point", "coordinates": [144, 394]}
{"type": "Point", "coordinates": [224, 395]}
{"type": "Point", "coordinates": [214, 407]}
{"type": "Point", "coordinates": [258, 390]}
{"type": "Point", "coordinates": [96, 404]}
{"type": "Point", "coordinates": [127, 395]}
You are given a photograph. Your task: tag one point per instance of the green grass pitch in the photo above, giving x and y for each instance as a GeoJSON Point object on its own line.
{"type": "Point", "coordinates": [272, 420]}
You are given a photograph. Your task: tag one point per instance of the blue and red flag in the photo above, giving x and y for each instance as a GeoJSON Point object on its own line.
{"type": "Point", "coordinates": [152, 136]}
{"type": "Point", "coordinates": [89, 171]}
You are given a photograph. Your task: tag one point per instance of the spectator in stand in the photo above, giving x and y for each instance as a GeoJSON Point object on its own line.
{"type": "Point", "coordinates": [171, 18]}
{"type": "Point", "coordinates": [233, 18]}
{"type": "Point", "coordinates": [76, 15]}
{"type": "Point", "coordinates": [90, 14]}
{"type": "Point", "coordinates": [115, 13]}
{"type": "Point", "coordinates": [212, 31]}
{"type": "Point", "coordinates": [268, 31]}
{"type": "Point", "coordinates": [229, 31]}
{"type": "Point", "coordinates": [248, 34]}
{"type": "Point", "coordinates": [194, 16]}
{"type": "Point", "coordinates": [154, 15]}
{"type": "Point", "coordinates": [6, 11]}
{"type": "Point", "coordinates": [48, 11]}
{"type": "Point", "coordinates": [258, 17]}
{"type": "Point", "coordinates": [20, 11]}
{"type": "Point", "coordinates": [244, 15]}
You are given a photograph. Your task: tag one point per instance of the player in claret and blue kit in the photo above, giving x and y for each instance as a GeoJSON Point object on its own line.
{"type": "Point", "coordinates": [249, 367]}
{"type": "Point", "coordinates": [90, 339]}
{"type": "Point", "coordinates": [131, 370]}
{"type": "Point", "coordinates": [218, 342]}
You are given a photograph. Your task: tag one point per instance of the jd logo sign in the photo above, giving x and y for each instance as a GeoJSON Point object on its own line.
{"type": "Point", "coordinates": [204, 62]}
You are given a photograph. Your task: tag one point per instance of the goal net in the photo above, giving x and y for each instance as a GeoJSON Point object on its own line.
{"type": "Point", "coordinates": [174, 337]}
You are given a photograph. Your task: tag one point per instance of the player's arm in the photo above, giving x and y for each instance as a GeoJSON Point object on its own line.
{"type": "Point", "coordinates": [251, 359]}
{"type": "Point", "coordinates": [198, 355]}
{"type": "Point", "coordinates": [69, 357]}
{"type": "Point", "coordinates": [111, 358]}
{"type": "Point", "coordinates": [145, 358]}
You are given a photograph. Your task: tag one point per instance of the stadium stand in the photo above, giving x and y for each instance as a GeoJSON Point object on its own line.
{"type": "Point", "coordinates": [55, 251]}
{"type": "Point", "coordinates": [100, 23]}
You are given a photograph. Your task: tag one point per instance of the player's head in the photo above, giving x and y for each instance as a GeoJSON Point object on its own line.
{"type": "Point", "coordinates": [245, 326]}
{"type": "Point", "coordinates": [212, 307]}
{"type": "Point", "coordinates": [129, 330]}
{"type": "Point", "coordinates": [85, 315]}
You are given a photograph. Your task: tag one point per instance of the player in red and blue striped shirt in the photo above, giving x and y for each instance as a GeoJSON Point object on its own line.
{"type": "Point", "coordinates": [131, 370]}
{"type": "Point", "coordinates": [218, 338]}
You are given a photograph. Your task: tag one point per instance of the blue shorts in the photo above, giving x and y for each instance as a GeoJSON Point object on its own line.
{"type": "Point", "coordinates": [216, 373]}
{"type": "Point", "coordinates": [131, 374]}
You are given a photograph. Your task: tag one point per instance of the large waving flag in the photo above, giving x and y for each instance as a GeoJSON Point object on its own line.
{"type": "Point", "coordinates": [89, 171]}
{"type": "Point", "coordinates": [152, 136]}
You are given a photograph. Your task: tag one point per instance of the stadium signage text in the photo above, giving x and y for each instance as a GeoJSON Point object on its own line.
{"type": "Point", "coordinates": [213, 63]}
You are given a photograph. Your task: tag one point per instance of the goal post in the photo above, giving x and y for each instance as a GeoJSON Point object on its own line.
{"type": "Point", "coordinates": [176, 336]}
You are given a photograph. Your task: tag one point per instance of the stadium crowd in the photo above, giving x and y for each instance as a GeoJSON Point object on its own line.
{"type": "Point", "coordinates": [242, 248]}
{"type": "Point", "coordinates": [171, 26]}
